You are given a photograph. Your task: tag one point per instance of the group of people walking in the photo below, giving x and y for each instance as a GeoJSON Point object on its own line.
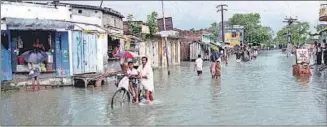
{"type": "Point", "coordinates": [246, 53]}
{"type": "Point", "coordinates": [215, 68]}
{"type": "Point", "coordinates": [319, 53]}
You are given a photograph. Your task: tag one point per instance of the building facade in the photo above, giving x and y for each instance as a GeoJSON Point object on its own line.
{"type": "Point", "coordinates": [72, 35]}
{"type": "Point", "coordinates": [194, 43]}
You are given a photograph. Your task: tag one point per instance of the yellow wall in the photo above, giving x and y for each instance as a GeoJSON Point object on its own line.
{"type": "Point", "coordinates": [233, 41]}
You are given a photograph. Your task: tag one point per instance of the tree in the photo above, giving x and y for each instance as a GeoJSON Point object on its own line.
{"type": "Point", "coordinates": [299, 32]}
{"type": "Point", "coordinates": [320, 27]}
{"type": "Point", "coordinates": [152, 22]}
{"type": "Point", "coordinates": [214, 28]}
{"type": "Point", "coordinates": [134, 27]}
{"type": "Point", "coordinates": [254, 32]}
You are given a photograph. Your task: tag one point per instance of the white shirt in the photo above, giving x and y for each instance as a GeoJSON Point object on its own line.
{"type": "Point", "coordinates": [147, 83]}
{"type": "Point", "coordinates": [199, 63]}
{"type": "Point", "coordinates": [132, 71]}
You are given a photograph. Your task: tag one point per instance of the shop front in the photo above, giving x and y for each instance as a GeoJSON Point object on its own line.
{"type": "Point", "coordinates": [24, 33]}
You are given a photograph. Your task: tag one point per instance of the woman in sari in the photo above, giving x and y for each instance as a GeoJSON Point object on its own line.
{"type": "Point", "coordinates": [213, 68]}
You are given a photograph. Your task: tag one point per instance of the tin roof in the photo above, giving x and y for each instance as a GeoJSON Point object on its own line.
{"type": "Point", "coordinates": [103, 9]}
{"type": "Point", "coordinates": [41, 24]}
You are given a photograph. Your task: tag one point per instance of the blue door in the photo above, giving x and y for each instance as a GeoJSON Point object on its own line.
{"type": "Point", "coordinates": [6, 70]}
{"type": "Point", "coordinates": [62, 54]}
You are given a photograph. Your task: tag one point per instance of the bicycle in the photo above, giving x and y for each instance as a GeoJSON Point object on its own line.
{"type": "Point", "coordinates": [126, 92]}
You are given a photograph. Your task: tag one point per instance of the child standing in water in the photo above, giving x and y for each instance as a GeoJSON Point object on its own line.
{"type": "Point", "coordinates": [218, 69]}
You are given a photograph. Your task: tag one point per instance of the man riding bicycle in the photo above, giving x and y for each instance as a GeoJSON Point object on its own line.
{"type": "Point", "coordinates": [132, 75]}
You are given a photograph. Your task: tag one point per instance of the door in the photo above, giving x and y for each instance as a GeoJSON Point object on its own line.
{"type": "Point", "coordinates": [84, 52]}
{"type": "Point", "coordinates": [62, 54]}
{"type": "Point", "coordinates": [90, 52]}
{"type": "Point", "coordinates": [77, 49]}
{"type": "Point", "coordinates": [6, 70]}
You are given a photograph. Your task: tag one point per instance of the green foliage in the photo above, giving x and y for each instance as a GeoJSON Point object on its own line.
{"type": "Point", "coordinates": [320, 27]}
{"type": "Point", "coordinates": [299, 32]}
{"type": "Point", "coordinates": [134, 27]}
{"type": "Point", "coordinates": [152, 22]}
{"type": "Point", "coordinates": [214, 28]}
{"type": "Point", "coordinates": [254, 32]}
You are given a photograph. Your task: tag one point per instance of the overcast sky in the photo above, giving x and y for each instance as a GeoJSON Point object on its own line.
{"type": "Point", "coordinates": [200, 14]}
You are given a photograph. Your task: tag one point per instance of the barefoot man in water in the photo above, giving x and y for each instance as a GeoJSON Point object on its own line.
{"type": "Point", "coordinates": [146, 76]}
{"type": "Point", "coordinates": [198, 65]}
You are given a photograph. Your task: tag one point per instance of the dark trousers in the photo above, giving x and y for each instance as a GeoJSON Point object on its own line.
{"type": "Point", "coordinates": [319, 58]}
{"type": "Point", "coordinates": [325, 57]}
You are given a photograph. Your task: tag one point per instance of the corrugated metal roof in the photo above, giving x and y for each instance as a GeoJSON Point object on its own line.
{"type": "Point", "coordinates": [104, 9]}
{"type": "Point", "coordinates": [43, 24]}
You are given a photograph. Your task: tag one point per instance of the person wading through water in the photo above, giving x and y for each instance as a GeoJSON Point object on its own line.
{"type": "Point", "coordinates": [146, 77]}
{"type": "Point", "coordinates": [325, 51]}
{"type": "Point", "coordinates": [319, 54]}
{"type": "Point", "coordinates": [35, 69]}
{"type": "Point", "coordinates": [198, 65]}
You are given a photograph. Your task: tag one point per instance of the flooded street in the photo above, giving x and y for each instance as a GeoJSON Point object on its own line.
{"type": "Point", "coordinates": [260, 92]}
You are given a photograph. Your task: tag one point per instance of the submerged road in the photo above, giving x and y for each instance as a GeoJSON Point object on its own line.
{"type": "Point", "coordinates": [259, 92]}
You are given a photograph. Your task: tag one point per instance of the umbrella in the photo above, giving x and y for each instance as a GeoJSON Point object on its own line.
{"type": "Point", "coordinates": [34, 56]}
{"type": "Point", "coordinates": [127, 54]}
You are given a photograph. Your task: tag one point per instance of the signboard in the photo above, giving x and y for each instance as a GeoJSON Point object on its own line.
{"type": "Point", "coordinates": [168, 23]}
{"type": "Point", "coordinates": [322, 14]}
{"type": "Point", "coordinates": [233, 40]}
{"type": "Point", "coordinates": [302, 55]}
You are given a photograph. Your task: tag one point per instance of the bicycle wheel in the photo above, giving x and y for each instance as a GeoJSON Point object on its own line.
{"type": "Point", "coordinates": [120, 97]}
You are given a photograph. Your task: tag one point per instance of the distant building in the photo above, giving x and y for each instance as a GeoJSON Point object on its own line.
{"type": "Point", "coordinates": [195, 42]}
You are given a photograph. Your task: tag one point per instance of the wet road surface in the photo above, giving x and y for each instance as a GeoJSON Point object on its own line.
{"type": "Point", "coordinates": [260, 92]}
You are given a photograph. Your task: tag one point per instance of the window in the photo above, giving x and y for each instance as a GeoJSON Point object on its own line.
{"type": "Point", "coordinates": [79, 11]}
{"type": "Point", "coordinates": [69, 9]}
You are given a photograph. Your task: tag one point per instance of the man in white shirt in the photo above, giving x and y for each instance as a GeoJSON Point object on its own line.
{"type": "Point", "coordinates": [198, 65]}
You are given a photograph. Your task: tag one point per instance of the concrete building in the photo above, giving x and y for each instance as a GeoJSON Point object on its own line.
{"type": "Point", "coordinates": [154, 48]}
{"type": "Point", "coordinates": [66, 29]}
{"type": "Point", "coordinates": [194, 43]}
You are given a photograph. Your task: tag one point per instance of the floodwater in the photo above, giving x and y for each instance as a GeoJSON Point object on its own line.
{"type": "Point", "coordinates": [260, 92]}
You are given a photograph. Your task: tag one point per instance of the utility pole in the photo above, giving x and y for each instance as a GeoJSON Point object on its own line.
{"type": "Point", "coordinates": [166, 45]}
{"type": "Point", "coordinates": [222, 9]}
{"type": "Point", "coordinates": [101, 3]}
{"type": "Point", "coordinates": [289, 22]}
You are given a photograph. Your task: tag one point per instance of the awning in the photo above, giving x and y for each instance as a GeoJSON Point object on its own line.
{"type": "Point", "coordinates": [89, 28]}
{"type": "Point", "coordinates": [36, 24]}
